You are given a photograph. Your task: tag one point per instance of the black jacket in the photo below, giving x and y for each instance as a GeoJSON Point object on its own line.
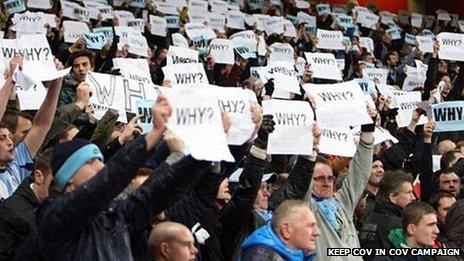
{"type": "Point", "coordinates": [79, 226]}
{"type": "Point", "coordinates": [17, 219]}
{"type": "Point", "coordinates": [375, 230]}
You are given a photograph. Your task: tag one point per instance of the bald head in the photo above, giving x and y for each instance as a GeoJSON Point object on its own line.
{"type": "Point", "coordinates": [172, 241]}
{"type": "Point", "coordinates": [445, 146]}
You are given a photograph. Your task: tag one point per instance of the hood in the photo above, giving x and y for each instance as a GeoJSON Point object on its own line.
{"type": "Point", "coordinates": [208, 187]}
{"type": "Point", "coordinates": [265, 236]}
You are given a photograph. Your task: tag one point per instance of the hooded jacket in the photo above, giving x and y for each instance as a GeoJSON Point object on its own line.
{"type": "Point", "coordinates": [264, 244]}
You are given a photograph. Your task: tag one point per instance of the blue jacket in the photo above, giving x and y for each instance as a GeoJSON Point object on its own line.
{"type": "Point", "coordinates": [265, 240]}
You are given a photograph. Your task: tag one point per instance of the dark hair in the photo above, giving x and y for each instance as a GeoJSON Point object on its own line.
{"type": "Point", "coordinates": [392, 182]}
{"type": "Point", "coordinates": [447, 158]}
{"type": "Point", "coordinates": [11, 120]}
{"type": "Point", "coordinates": [435, 199]}
{"type": "Point", "coordinates": [413, 213]}
{"type": "Point", "coordinates": [81, 53]}
{"type": "Point", "coordinates": [42, 161]}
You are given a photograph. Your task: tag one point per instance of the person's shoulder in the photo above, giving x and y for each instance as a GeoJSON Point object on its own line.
{"type": "Point", "coordinates": [260, 253]}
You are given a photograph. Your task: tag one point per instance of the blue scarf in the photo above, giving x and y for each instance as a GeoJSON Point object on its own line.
{"type": "Point", "coordinates": [328, 208]}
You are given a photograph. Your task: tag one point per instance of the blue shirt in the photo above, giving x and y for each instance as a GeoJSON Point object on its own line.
{"type": "Point", "coordinates": [16, 171]}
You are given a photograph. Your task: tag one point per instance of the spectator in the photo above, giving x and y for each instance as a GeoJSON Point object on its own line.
{"type": "Point", "coordinates": [291, 235]}
{"type": "Point", "coordinates": [442, 202]}
{"type": "Point", "coordinates": [172, 241]}
{"type": "Point", "coordinates": [454, 225]}
{"type": "Point", "coordinates": [377, 174]}
{"type": "Point", "coordinates": [449, 181]}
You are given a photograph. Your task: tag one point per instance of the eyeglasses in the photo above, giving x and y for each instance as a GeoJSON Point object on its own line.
{"type": "Point", "coordinates": [324, 178]}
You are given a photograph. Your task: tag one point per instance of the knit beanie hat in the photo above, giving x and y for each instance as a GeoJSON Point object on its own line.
{"type": "Point", "coordinates": [69, 157]}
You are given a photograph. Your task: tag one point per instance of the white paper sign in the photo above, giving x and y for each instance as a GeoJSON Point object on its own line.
{"type": "Point", "coordinates": [166, 8]}
{"type": "Point", "coordinates": [32, 98]}
{"type": "Point", "coordinates": [186, 74]}
{"type": "Point", "coordinates": [416, 20]}
{"type": "Point", "coordinates": [303, 17]}
{"type": "Point", "coordinates": [338, 142]}
{"type": "Point", "coordinates": [281, 52]}
{"type": "Point", "coordinates": [332, 40]}
{"type": "Point", "coordinates": [290, 30]}
{"type": "Point", "coordinates": [339, 105]}
{"type": "Point", "coordinates": [368, 20]}
{"type": "Point", "coordinates": [196, 30]}
{"type": "Point", "coordinates": [236, 102]}
{"type": "Point", "coordinates": [324, 66]}
{"type": "Point", "coordinates": [95, 40]}
{"type": "Point", "coordinates": [451, 46]}
{"type": "Point", "coordinates": [222, 51]}
{"type": "Point", "coordinates": [274, 25]}
{"type": "Point", "coordinates": [406, 104]}
{"type": "Point", "coordinates": [198, 6]}
{"type": "Point", "coordinates": [14, 6]}
{"type": "Point", "coordinates": [29, 22]}
{"type": "Point", "coordinates": [411, 83]}
{"type": "Point", "coordinates": [424, 43]}
{"type": "Point", "coordinates": [39, 4]}
{"type": "Point", "coordinates": [394, 33]}
{"type": "Point", "coordinates": [218, 6]}
{"type": "Point", "coordinates": [235, 20]}
{"type": "Point", "coordinates": [158, 25]}
{"type": "Point", "coordinates": [73, 30]}
{"type": "Point", "coordinates": [293, 130]}
{"type": "Point", "coordinates": [376, 75]}
{"type": "Point", "coordinates": [133, 69]}
{"type": "Point", "coordinates": [368, 43]}
{"type": "Point", "coordinates": [179, 40]}
{"type": "Point", "coordinates": [245, 38]}
{"type": "Point", "coordinates": [217, 22]}
{"type": "Point", "coordinates": [196, 119]}
{"type": "Point", "coordinates": [181, 55]}
{"type": "Point", "coordinates": [284, 75]}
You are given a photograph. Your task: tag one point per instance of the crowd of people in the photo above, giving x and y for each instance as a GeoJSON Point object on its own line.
{"type": "Point", "coordinates": [77, 188]}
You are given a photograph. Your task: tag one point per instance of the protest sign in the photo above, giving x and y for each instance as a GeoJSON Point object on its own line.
{"type": "Point", "coordinates": [309, 20]}
{"type": "Point", "coordinates": [38, 59]}
{"type": "Point", "coordinates": [345, 21]}
{"type": "Point", "coordinates": [218, 6]}
{"type": "Point", "coordinates": [123, 16]}
{"type": "Point", "coordinates": [451, 46]}
{"type": "Point", "coordinates": [416, 20]}
{"type": "Point", "coordinates": [133, 69]}
{"type": "Point", "coordinates": [32, 98]}
{"type": "Point", "coordinates": [368, 43]}
{"type": "Point", "coordinates": [412, 82]}
{"type": "Point", "coordinates": [284, 75]}
{"type": "Point", "coordinates": [158, 25]}
{"type": "Point", "coordinates": [14, 6]}
{"type": "Point", "coordinates": [179, 40]}
{"type": "Point", "coordinates": [166, 8]}
{"type": "Point", "coordinates": [293, 127]}
{"type": "Point", "coordinates": [403, 16]}
{"type": "Point", "coordinates": [300, 65]}
{"type": "Point", "coordinates": [197, 6]}
{"type": "Point", "coordinates": [386, 17]}
{"type": "Point", "coordinates": [107, 31]}
{"type": "Point", "coordinates": [461, 25]}
{"type": "Point", "coordinates": [183, 74]}
{"type": "Point", "coordinates": [138, 3]}
{"type": "Point", "coordinates": [281, 52]}
{"type": "Point", "coordinates": [236, 102]}
{"type": "Point", "coordinates": [196, 30]}
{"type": "Point", "coordinates": [410, 39]}
{"type": "Point", "coordinates": [245, 38]}
{"type": "Point", "coordinates": [338, 142]}
{"type": "Point", "coordinates": [339, 9]}
{"type": "Point", "coordinates": [339, 105]}
{"type": "Point", "coordinates": [323, 9]}
{"type": "Point", "coordinates": [29, 23]}
{"type": "Point", "coordinates": [235, 20]}
{"type": "Point", "coordinates": [245, 52]}
{"type": "Point", "coordinates": [429, 19]}
{"type": "Point", "coordinates": [172, 22]}
{"type": "Point", "coordinates": [137, 24]}
{"type": "Point", "coordinates": [425, 44]}
{"type": "Point", "coordinates": [443, 17]}
{"type": "Point", "coordinates": [39, 4]}
{"type": "Point", "coordinates": [378, 75]}
{"type": "Point", "coordinates": [301, 4]}
{"type": "Point", "coordinates": [274, 25]}
{"type": "Point", "coordinates": [332, 40]}
{"type": "Point", "coordinates": [178, 3]}
{"type": "Point", "coordinates": [197, 18]}
{"type": "Point", "coordinates": [256, 4]}
{"type": "Point", "coordinates": [75, 11]}
{"type": "Point", "coordinates": [119, 93]}
{"type": "Point", "coordinates": [366, 85]}
{"type": "Point", "coordinates": [449, 116]}
{"type": "Point", "coordinates": [181, 55]}
{"type": "Point", "coordinates": [324, 66]}
{"type": "Point", "coordinates": [145, 113]}
{"type": "Point", "coordinates": [394, 33]}
{"type": "Point", "coordinates": [217, 22]}
{"type": "Point", "coordinates": [222, 51]}
{"type": "Point", "coordinates": [73, 30]}
{"type": "Point", "coordinates": [95, 40]}
{"type": "Point", "coordinates": [196, 119]}
{"type": "Point", "coordinates": [137, 45]}
{"type": "Point", "coordinates": [106, 12]}
{"type": "Point", "coordinates": [406, 103]}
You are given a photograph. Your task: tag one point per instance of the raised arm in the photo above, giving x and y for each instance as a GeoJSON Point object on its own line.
{"type": "Point", "coordinates": [426, 177]}
{"type": "Point", "coordinates": [299, 179]}
{"type": "Point", "coordinates": [360, 169]}
{"type": "Point", "coordinates": [44, 117]}
{"type": "Point", "coordinates": [5, 91]}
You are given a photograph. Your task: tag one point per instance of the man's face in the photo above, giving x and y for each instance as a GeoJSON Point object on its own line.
{"type": "Point", "coordinates": [377, 173]}
{"type": "Point", "coordinates": [450, 182]}
{"type": "Point", "coordinates": [24, 125]}
{"type": "Point", "coordinates": [323, 181]}
{"type": "Point", "coordinates": [182, 247]}
{"type": "Point", "coordinates": [426, 232]}
{"type": "Point", "coordinates": [392, 60]}
{"type": "Point", "coordinates": [84, 174]}
{"type": "Point", "coordinates": [405, 196]}
{"type": "Point", "coordinates": [81, 66]}
{"type": "Point", "coordinates": [304, 231]}
{"type": "Point", "coordinates": [443, 67]}
{"type": "Point", "coordinates": [447, 87]}
{"type": "Point", "coordinates": [444, 204]}
{"type": "Point", "coordinates": [261, 201]}
{"type": "Point", "coordinates": [6, 146]}
{"type": "Point", "coordinates": [224, 192]}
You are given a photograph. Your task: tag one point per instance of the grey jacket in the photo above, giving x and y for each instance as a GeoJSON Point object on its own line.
{"type": "Point", "coordinates": [348, 196]}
